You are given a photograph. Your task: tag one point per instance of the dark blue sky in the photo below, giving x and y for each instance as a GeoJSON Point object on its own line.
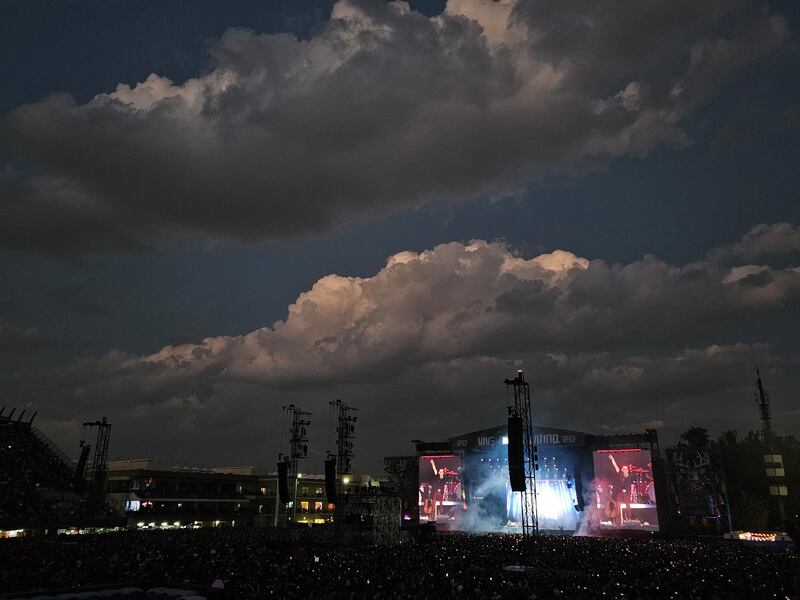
{"type": "Point", "coordinates": [738, 169]}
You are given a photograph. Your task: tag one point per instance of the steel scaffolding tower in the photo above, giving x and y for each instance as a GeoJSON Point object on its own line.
{"type": "Point", "coordinates": [345, 434]}
{"type": "Point", "coordinates": [298, 449]}
{"type": "Point", "coordinates": [343, 421]}
{"type": "Point", "coordinates": [522, 409]}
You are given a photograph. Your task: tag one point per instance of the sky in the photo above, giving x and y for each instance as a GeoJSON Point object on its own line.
{"type": "Point", "coordinates": [211, 210]}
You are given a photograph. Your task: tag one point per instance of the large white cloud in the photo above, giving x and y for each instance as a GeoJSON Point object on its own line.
{"type": "Point", "coordinates": [383, 107]}
{"type": "Point", "coordinates": [459, 301]}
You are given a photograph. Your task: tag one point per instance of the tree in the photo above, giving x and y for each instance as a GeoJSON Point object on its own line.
{"type": "Point", "coordinates": [743, 464]}
{"type": "Point", "coordinates": [695, 437]}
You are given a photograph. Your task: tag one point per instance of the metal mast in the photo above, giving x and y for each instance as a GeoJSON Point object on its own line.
{"type": "Point", "coordinates": [773, 463]}
{"type": "Point", "coordinates": [97, 479]}
{"type": "Point", "coordinates": [298, 448]}
{"type": "Point", "coordinates": [522, 409]}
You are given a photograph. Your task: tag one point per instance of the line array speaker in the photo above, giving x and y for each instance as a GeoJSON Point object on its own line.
{"type": "Point", "coordinates": [516, 454]}
{"type": "Point", "coordinates": [330, 480]}
{"type": "Point", "coordinates": [283, 482]}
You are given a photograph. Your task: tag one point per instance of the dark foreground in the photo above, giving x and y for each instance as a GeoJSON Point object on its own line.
{"type": "Point", "coordinates": [260, 564]}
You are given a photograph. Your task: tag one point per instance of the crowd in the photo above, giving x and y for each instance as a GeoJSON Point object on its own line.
{"type": "Point", "coordinates": [259, 563]}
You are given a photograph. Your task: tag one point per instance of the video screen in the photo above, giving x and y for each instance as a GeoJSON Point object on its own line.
{"type": "Point", "coordinates": [624, 489]}
{"type": "Point", "coordinates": [441, 494]}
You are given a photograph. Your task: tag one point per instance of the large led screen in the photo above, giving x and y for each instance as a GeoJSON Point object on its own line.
{"type": "Point", "coordinates": [441, 494]}
{"type": "Point", "coordinates": [624, 489]}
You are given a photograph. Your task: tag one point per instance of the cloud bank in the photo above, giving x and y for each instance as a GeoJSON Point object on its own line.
{"type": "Point", "coordinates": [382, 108]}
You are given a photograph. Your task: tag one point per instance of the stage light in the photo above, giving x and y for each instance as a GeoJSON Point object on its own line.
{"type": "Point", "coordinates": [505, 440]}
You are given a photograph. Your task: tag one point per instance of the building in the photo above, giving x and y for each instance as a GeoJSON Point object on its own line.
{"type": "Point", "coordinates": [160, 494]}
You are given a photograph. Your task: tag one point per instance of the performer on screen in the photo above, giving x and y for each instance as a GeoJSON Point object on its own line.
{"type": "Point", "coordinates": [437, 472]}
{"type": "Point", "coordinates": [439, 488]}
{"type": "Point", "coordinates": [447, 487]}
{"type": "Point", "coordinates": [622, 485]}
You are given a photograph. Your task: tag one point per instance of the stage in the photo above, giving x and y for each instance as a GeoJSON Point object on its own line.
{"type": "Point", "coordinates": [584, 482]}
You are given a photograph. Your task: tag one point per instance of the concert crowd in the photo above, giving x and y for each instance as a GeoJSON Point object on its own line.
{"type": "Point", "coordinates": [256, 563]}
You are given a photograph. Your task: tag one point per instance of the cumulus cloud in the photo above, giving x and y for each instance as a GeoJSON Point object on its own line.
{"type": "Point", "coordinates": [459, 301]}
{"type": "Point", "coordinates": [426, 342]}
{"type": "Point", "coordinates": [382, 108]}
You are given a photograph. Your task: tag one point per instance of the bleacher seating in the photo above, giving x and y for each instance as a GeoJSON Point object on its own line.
{"type": "Point", "coordinates": [36, 478]}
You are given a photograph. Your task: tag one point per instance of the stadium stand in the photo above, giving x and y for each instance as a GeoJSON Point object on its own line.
{"type": "Point", "coordinates": [37, 480]}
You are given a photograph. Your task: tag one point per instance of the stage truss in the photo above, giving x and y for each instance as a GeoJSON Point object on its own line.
{"type": "Point", "coordinates": [522, 408]}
